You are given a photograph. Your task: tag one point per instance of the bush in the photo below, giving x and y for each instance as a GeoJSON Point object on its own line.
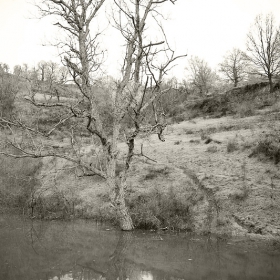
{"type": "Point", "coordinates": [245, 109]}
{"type": "Point", "coordinates": [157, 209]}
{"type": "Point", "coordinates": [57, 205]}
{"type": "Point", "coordinates": [17, 181]}
{"type": "Point", "coordinates": [268, 146]}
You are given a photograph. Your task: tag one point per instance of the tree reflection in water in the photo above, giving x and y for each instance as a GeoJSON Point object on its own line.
{"type": "Point", "coordinates": [118, 267]}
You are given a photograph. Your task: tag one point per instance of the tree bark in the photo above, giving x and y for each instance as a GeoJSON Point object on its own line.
{"type": "Point", "coordinates": [119, 186]}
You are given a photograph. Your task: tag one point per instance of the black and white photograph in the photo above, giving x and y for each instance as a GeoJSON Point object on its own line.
{"type": "Point", "coordinates": [139, 140]}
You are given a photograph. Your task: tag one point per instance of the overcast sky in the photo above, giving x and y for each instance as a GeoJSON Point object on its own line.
{"type": "Point", "coordinates": [205, 28]}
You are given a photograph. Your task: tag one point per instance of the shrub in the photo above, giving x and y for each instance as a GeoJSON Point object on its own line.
{"type": "Point", "coordinates": [157, 209]}
{"type": "Point", "coordinates": [268, 146]}
{"type": "Point", "coordinates": [56, 205]}
{"type": "Point", "coordinates": [17, 181]}
{"type": "Point", "coordinates": [245, 109]}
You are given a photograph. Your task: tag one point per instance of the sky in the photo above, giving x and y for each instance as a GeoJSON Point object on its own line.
{"type": "Point", "coordinates": [203, 28]}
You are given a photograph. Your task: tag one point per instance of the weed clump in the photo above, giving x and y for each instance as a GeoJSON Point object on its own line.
{"type": "Point", "coordinates": [156, 209]}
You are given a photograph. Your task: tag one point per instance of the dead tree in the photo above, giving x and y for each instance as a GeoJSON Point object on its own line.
{"type": "Point", "coordinates": [263, 46]}
{"type": "Point", "coordinates": [136, 92]}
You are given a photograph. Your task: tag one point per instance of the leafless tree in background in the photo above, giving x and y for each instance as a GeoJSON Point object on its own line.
{"type": "Point", "coordinates": [42, 68]}
{"type": "Point", "coordinates": [17, 70]}
{"type": "Point", "coordinates": [145, 64]}
{"type": "Point", "coordinates": [201, 75]}
{"type": "Point", "coordinates": [4, 68]}
{"type": "Point", "coordinates": [234, 66]}
{"type": "Point", "coordinates": [263, 46]}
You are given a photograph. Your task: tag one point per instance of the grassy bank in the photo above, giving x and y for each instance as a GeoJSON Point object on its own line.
{"type": "Point", "coordinates": [211, 175]}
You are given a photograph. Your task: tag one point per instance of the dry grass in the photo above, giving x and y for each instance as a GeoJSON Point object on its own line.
{"type": "Point", "coordinates": [162, 195]}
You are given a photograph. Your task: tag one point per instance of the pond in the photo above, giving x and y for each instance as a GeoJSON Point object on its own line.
{"type": "Point", "coordinates": [85, 250]}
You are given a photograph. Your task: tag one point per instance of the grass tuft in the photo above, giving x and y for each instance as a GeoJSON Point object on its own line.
{"type": "Point", "coordinates": [232, 145]}
{"type": "Point", "coordinates": [156, 172]}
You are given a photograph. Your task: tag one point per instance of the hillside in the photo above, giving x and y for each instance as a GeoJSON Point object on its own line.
{"type": "Point", "coordinates": [218, 175]}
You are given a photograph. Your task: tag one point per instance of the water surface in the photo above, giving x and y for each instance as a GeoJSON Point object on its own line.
{"type": "Point", "coordinates": [84, 250]}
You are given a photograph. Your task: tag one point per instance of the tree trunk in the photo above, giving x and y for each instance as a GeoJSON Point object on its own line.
{"type": "Point", "coordinates": [118, 185]}
{"type": "Point", "coordinates": [121, 208]}
{"type": "Point", "coordinates": [235, 82]}
{"type": "Point", "coordinates": [270, 83]}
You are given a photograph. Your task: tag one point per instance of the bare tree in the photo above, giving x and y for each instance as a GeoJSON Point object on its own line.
{"type": "Point", "coordinates": [51, 74]}
{"type": "Point", "coordinates": [62, 75]}
{"type": "Point", "coordinates": [234, 66]}
{"type": "Point", "coordinates": [18, 70]}
{"type": "Point", "coordinates": [145, 64]}
{"type": "Point", "coordinates": [263, 47]}
{"type": "Point", "coordinates": [4, 67]}
{"type": "Point", "coordinates": [42, 67]}
{"type": "Point", "coordinates": [201, 75]}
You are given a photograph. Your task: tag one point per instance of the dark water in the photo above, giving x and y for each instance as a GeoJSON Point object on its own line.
{"type": "Point", "coordinates": [85, 251]}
